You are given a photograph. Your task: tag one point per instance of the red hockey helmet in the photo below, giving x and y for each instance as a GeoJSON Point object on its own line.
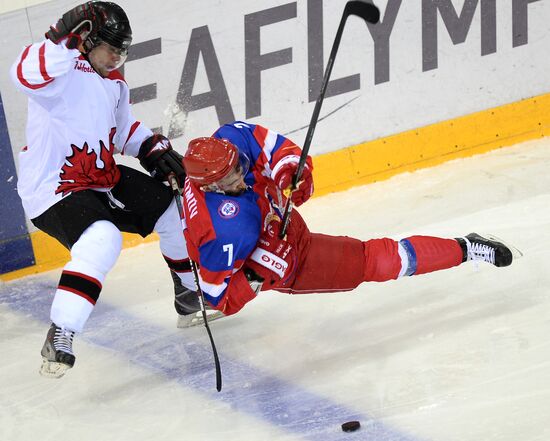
{"type": "Point", "coordinates": [208, 160]}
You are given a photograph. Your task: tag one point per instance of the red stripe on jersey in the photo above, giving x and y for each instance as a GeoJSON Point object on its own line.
{"type": "Point", "coordinates": [260, 133]}
{"type": "Point", "coordinates": [130, 133]}
{"type": "Point", "coordinates": [84, 276]}
{"type": "Point", "coordinates": [42, 63]}
{"type": "Point", "coordinates": [288, 145]}
{"type": "Point", "coordinates": [22, 79]}
{"type": "Point", "coordinates": [218, 277]}
{"type": "Point", "coordinates": [78, 293]}
{"type": "Point", "coordinates": [287, 148]}
{"type": "Point", "coordinates": [214, 277]}
{"type": "Point", "coordinates": [197, 216]}
{"type": "Point", "coordinates": [115, 75]}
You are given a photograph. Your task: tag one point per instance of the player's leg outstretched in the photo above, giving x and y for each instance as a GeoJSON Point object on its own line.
{"type": "Point", "coordinates": [326, 265]}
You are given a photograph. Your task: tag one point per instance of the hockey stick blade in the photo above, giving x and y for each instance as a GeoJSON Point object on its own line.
{"type": "Point", "coordinates": [367, 11]}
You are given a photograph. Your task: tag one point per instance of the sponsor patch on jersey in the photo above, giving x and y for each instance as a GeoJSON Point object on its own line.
{"type": "Point", "coordinates": [228, 209]}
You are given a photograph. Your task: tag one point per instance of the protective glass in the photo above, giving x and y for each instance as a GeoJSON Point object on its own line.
{"type": "Point", "coordinates": [234, 180]}
{"type": "Point", "coordinates": [119, 55]}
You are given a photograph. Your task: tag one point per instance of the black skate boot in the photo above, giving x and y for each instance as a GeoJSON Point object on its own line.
{"type": "Point", "coordinates": [186, 303]}
{"type": "Point", "coordinates": [57, 352]}
{"type": "Point", "coordinates": [476, 247]}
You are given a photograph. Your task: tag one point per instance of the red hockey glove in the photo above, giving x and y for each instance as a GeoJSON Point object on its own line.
{"type": "Point", "coordinates": [284, 172]}
{"type": "Point", "coordinates": [274, 259]}
{"type": "Point", "coordinates": [75, 25]}
{"type": "Point", "coordinates": [157, 156]}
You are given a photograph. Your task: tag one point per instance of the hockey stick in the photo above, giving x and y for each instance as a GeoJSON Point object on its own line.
{"type": "Point", "coordinates": [176, 190]}
{"type": "Point", "coordinates": [371, 14]}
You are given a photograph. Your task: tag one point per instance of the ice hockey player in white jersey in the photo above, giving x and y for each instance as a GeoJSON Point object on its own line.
{"type": "Point", "coordinates": [79, 116]}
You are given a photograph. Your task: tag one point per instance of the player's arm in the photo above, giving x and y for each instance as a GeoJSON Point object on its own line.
{"type": "Point", "coordinates": [273, 262]}
{"type": "Point", "coordinates": [159, 158]}
{"type": "Point", "coordinates": [154, 150]}
{"type": "Point", "coordinates": [233, 293]}
{"type": "Point", "coordinates": [285, 157]}
{"type": "Point", "coordinates": [242, 288]}
{"type": "Point", "coordinates": [39, 70]}
{"type": "Point", "coordinates": [275, 155]}
{"type": "Point", "coordinates": [284, 167]}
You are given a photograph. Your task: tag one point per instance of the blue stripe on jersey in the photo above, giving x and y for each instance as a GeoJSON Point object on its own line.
{"type": "Point", "coordinates": [411, 254]}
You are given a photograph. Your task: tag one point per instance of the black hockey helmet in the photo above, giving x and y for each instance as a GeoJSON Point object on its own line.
{"type": "Point", "coordinates": [115, 29]}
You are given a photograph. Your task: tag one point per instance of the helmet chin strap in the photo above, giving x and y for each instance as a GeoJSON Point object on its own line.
{"type": "Point", "coordinates": [88, 45]}
{"type": "Point", "coordinates": [213, 188]}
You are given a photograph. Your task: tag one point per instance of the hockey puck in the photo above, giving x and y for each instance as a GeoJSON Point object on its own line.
{"type": "Point", "coordinates": [351, 426]}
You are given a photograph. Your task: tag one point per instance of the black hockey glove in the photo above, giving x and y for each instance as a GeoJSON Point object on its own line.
{"type": "Point", "coordinates": [157, 156]}
{"type": "Point", "coordinates": [75, 25]}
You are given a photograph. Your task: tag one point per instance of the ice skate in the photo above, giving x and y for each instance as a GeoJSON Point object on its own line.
{"type": "Point", "coordinates": [487, 249]}
{"type": "Point", "coordinates": [187, 306]}
{"type": "Point", "coordinates": [57, 352]}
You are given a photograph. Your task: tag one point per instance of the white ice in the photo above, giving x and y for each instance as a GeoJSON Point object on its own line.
{"type": "Point", "coordinates": [458, 355]}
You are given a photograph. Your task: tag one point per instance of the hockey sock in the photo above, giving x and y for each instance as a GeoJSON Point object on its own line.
{"type": "Point", "coordinates": [424, 254]}
{"type": "Point", "coordinates": [92, 256]}
{"type": "Point", "coordinates": [172, 245]}
{"type": "Point", "coordinates": [387, 259]}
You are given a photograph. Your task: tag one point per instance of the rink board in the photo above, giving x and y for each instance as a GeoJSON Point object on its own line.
{"type": "Point", "coordinates": [393, 105]}
{"type": "Point", "coordinates": [381, 159]}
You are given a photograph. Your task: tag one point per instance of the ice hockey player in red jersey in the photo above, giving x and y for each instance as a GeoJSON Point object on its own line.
{"type": "Point", "coordinates": [79, 116]}
{"type": "Point", "coordinates": [232, 201]}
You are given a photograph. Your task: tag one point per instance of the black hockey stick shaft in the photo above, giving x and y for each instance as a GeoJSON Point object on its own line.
{"type": "Point", "coordinates": [177, 197]}
{"type": "Point", "coordinates": [371, 14]}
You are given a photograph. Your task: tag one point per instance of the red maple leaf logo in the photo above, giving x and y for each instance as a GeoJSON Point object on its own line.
{"type": "Point", "coordinates": [80, 171]}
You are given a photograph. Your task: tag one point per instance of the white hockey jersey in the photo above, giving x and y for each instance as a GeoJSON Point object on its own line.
{"type": "Point", "coordinates": [77, 120]}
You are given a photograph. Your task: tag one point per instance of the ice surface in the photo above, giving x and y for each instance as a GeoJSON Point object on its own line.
{"type": "Point", "coordinates": [459, 355]}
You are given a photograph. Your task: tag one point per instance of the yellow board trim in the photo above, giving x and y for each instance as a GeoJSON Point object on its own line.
{"type": "Point", "coordinates": [50, 254]}
{"type": "Point", "coordinates": [380, 159]}
{"type": "Point", "coordinates": [431, 145]}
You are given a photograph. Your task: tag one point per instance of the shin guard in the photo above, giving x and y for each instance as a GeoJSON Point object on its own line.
{"type": "Point", "coordinates": [93, 255]}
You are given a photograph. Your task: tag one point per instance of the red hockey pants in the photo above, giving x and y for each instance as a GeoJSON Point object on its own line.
{"type": "Point", "coordinates": [340, 263]}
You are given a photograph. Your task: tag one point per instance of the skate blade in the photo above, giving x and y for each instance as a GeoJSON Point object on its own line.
{"type": "Point", "coordinates": [53, 369]}
{"type": "Point", "coordinates": [190, 320]}
{"type": "Point", "coordinates": [516, 253]}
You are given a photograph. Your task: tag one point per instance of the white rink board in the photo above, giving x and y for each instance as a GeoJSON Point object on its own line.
{"type": "Point", "coordinates": [458, 355]}
{"type": "Point", "coordinates": [410, 92]}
